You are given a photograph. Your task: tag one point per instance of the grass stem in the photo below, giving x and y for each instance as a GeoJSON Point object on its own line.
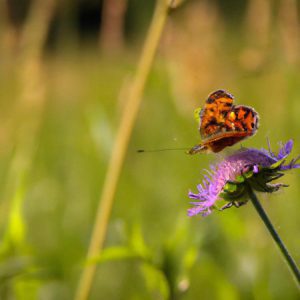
{"type": "Point", "coordinates": [120, 147]}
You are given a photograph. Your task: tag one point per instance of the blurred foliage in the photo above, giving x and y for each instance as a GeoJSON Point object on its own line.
{"type": "Point", "coordinates": [153, 251]}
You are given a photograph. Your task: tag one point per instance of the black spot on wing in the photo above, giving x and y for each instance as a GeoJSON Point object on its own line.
{"type": "Point", "coordinates": [218, 94]}
{"type": "Point", "coordinates": [247, 114]}
{"type": "Point", "coordinates": [210, 100]}
{"type": "Point", "coordinates": [211, 122]}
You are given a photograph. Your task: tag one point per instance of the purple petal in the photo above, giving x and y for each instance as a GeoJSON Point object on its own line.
{"type": "Point", "coordinates": [195, 211]}
{"type": "Point", "coordinates": [289, 167]}
{"type": "Point", "coordinates": [255, 169]}
{"type": "Point", "coordinates": [193, 196]}
{"type": "Point", "coordinates": [232, 166]}
{"type": "Point", "coordinates": [285, 150]}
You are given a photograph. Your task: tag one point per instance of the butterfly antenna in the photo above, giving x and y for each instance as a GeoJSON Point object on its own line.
{"type": "Point", "coordinates": [160, 150]}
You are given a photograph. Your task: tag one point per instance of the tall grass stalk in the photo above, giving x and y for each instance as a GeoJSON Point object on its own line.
{"type": "Point", "coordinates": [120, 146]}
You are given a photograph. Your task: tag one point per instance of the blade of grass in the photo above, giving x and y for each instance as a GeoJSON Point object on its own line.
{"type": "Point", "coordinates": [120, 146]}
{"type": "Point", "coordinates": [29, 107]}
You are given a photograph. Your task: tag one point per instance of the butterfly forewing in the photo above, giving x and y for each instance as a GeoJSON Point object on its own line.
{"type": "Point", "coordinates": [214, 114]}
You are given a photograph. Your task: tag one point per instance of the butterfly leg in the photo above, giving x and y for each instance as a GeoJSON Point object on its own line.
{"type": "Point", "coordinates": [228, 205]}
{"type": "Point", "coordinates": [197, 149]}
{"type": "Point", "coordinates": [237, 204]}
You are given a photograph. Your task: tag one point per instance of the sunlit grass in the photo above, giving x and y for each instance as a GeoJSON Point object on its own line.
{"type": "Point", "coordinates": [235, 257]}
{"type": "Point", "coordinates": [71, 161]}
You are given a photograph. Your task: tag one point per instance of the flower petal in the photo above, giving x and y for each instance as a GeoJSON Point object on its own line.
{"type": "Point", "coordinates": [258, 167]}
{"type": "Point", "coordinates": [285, 150]}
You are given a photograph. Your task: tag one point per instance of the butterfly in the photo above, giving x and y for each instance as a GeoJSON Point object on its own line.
{"type": "Point", "coordinates": [224, 124]}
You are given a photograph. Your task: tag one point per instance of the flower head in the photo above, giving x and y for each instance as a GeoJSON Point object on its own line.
{"type": "Point", "coordinates": [229, 178]}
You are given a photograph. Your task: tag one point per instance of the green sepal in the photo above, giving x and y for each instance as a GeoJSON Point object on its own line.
{"type": "Point", "coordinates": [235, 191]}
{"type": "Point", "coordinates": [276, 165]}
{"type": "Point", "coordinates": [261, 180]}
{"type": "Point", "coordinates": [239, 179]}
{"type": "Point", "coordinates": [247, 175]}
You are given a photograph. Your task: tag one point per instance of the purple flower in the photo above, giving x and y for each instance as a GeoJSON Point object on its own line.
{"type": "Point", "coordinates": [228, 178]}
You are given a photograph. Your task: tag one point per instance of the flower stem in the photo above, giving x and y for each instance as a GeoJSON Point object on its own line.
{"type": "Point", "coordinates": [286, 255]}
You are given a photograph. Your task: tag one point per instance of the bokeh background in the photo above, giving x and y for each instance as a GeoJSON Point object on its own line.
{"type": "Point", "coordinates": [65, 69]}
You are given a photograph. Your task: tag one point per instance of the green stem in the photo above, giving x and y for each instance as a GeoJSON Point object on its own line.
{"type": "Point", "coordinates": [286, 255]}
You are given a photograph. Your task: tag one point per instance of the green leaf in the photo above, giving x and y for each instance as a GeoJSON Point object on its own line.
{"type": "Point", "coordinates": [16, 223]}
{"type": "Point", "coordinates": [189, 258]}
{"type": "Point", "coordinates": [156, 281]}
{"type": "Point", "coordinates": [114, 254]}
{"type": "Point", "coordinates": [137, 242]}
{"type": "Point", "coordinates": [26, 289]}
{"type": "Point", "coordinates": [14, 235]}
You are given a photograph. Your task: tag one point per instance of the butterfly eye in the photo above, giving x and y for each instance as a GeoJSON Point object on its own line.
{"type": "Point", "coordinates": [232, 116]}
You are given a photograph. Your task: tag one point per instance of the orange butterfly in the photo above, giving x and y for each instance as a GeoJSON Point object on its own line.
{"type": "Point", "coordinates": [223, 124]}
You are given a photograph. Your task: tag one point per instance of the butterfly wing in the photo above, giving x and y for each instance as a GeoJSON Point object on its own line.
{"type": "Point", "coordinates": [245, 119]}
{"type": "Point", "coordinates": [214, 115]}
{"type": "Point", "coordinates": [223, 124]}
{"type": "Point", "coordinates": [241, 122]}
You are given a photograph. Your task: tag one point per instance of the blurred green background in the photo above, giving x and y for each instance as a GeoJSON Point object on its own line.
{"type": "Point", "coordinates": [65, 68]}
